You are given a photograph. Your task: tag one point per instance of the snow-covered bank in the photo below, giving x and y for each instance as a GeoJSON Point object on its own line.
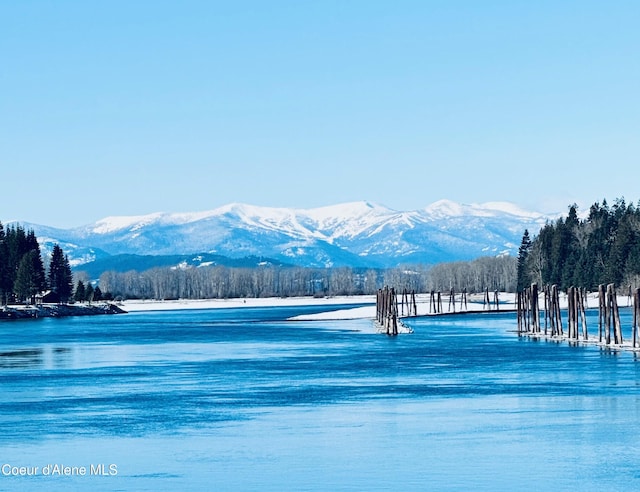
{"type": "Point", "coordinates": [172, 305]}
{"type": "Point", "coordinates": [475, 303]}
{"type": "Point", "coordinates": [360, 312]}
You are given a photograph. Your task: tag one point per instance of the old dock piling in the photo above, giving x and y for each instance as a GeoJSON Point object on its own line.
{"type": "Point", "coordinates": [609, 325]}
{"type": "Point", "coordinates": [409, 300]}
{"type": "Point", "coordinates": [387, 310]}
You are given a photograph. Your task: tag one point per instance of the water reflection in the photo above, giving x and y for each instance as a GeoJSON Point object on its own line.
{"type": "Point", "coordinates": [36, 358]}
{"type": "Point", "coordinates": [21, 358]}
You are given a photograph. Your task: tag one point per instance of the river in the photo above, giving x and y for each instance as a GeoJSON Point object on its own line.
{"type": "Point", "coordinates": [241, 399]}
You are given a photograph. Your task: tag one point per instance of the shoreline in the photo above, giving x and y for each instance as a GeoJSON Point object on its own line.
{"type": "Point", "coordinates": [13, 312]}
{"type": "Point", "coordinates": [132, 306]}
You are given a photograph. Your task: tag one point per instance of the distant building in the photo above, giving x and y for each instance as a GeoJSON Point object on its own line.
{"type": "Point", "coordinates": [47, 297]}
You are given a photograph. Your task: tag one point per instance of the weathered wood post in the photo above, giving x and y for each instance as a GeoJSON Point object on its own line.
{"type": "Point", "coordinates": [636, 307]}
{"type": "Point", "coordinates": [616, 316]}
{"type": "Point", "coordinates": [576, 312]}
{"type": "Point", "coordinates": [439, 302]}
{"type": "Point", "coordinates": [583, 299]}
{"type": "Point", "coordinates": [557, 315]}
{"type": "Point", "coordinates": [545, 291]}
{"type": "Point", "coordinates": [525, 309]}
{"type": "Point", "coordinates": [535, 312]}
{"type": "Point", "coordinates": [552, 313]}
{"type": "Point", "coordinates": [464, 298]}
{"type": "Point", "coordinates": [394, 314]}
{"type": "Point", "coordinates": [415, 304]}
{"type": "Point", "coordinates": [518, 311]}
{"type": "Point", "coordinates": [496, 300]}
{"type": "Point", "coordinates": [452, 301]}
{"type": "Point", "coordinates": [602, 311]}
{"type": "Point", "coordinates": [609, 313]}
{"type": "Point", "coordinates": [572, 312]}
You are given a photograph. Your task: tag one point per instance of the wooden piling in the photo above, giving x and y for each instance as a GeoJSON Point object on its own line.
{"type": "Point", "coordinates": [452, 301]}
{"type": "Point", "coordinates": [545, 291]}
{"type": "Point", "coordinates": [387, 310]}
{"type": "Point", "coordinates": [535, 312]}
{"type": "Point", "coordinates": [601, 312]}
{"type": "Point", "coordinates": [463, 298]}
{"type": "Point", "coordinates": [519, 311]}
{"type": "Point", "coordinates": [636, 308]}
{"type": "Point", "coordinates": [616, 316]}
{"type": "Point", "coordinates": [415, 304]}
{"type": "Point", "coordinates": [583, 298]}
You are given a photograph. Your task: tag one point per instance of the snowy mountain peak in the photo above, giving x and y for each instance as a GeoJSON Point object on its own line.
{"type": "Point", "coordinates": [116, 223]}
{"type": "Point", "coordinates": [357, 233]}
{"type": "Point", "coordinates": [447, 208]}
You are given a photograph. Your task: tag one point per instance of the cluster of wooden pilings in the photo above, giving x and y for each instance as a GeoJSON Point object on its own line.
{"type": "Point", "coordinates": [610, 317]}
{"type": "Point", "coordinates": [387, 308]}
{"type": "Point", "coordinates": [609, 326]}
{"type": "Point", "coordinates": [409, 300]}
{"type": "Point", "coordinates": [435, 301]}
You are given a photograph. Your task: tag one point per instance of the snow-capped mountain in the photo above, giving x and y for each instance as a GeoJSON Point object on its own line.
{"type": "Point", "coordinates": [350, 234]}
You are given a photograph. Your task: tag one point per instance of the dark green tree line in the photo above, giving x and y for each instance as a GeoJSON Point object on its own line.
{"type": "Point", "coordinates": [22, 271]}
{"type": "Point", "coordinates": [602, 248]}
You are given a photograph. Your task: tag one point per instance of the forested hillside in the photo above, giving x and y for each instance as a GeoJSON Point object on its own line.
{"type": "Point", "coordinates": [602, 248]}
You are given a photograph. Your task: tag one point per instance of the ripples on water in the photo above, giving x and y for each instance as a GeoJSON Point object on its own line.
{"type": "Point", "coordinates": [240, 399]}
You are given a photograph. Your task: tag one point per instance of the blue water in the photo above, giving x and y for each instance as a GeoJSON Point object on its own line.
{"type": "Point", "coordinates": [241, 399]}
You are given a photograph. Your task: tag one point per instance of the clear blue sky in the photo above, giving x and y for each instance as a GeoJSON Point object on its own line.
{"type": "Point", "coordinates": [133, 107]}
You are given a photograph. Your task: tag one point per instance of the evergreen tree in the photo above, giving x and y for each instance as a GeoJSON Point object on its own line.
{"type": "Point", "coordinates": [16, 248]}
{"type": "Point", "coordinates": [80, 292]}
{"type": "Point", "coordinates": [60, 276]}
{"type": "Point", "coordinates": [524, 278]}
{"type": "Point", "coordinates": [26, 284]}
{"type": "Point", "coordinates": [97, 294]}
{"type": "Point", "coordinates": [89, 293]}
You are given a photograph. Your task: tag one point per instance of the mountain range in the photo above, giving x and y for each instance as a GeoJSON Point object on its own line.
{"type": "Point", "coordinates": [357, 234]}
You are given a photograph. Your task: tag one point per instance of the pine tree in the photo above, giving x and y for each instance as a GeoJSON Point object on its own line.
{"type": "Point", "coordinates": [26, 284]}
{"type": "Point", "coordinates": [16, 248]}
{"type": "Point", "coordinates": [60, 276]}
{"type": "Point", "coordinates": [524, 279]}
{"type": "Point", "coordinates": [80, 292]}
{"type": "Point", "coordinates": [97, 294]}
{"type": "Point", "coordinates": [89, 293]}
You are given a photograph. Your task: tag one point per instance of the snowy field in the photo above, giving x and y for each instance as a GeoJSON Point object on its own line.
{"type": "Point", "coordinates": [475, 303]}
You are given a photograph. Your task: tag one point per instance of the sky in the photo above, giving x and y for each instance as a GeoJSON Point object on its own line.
{"type": "Point", "coordinates": [135, 107]}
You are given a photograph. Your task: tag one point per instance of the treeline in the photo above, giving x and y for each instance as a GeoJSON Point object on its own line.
{"type": "Point", "coordinates": [22, 271]}
{"type": "Point", "coordinates": [271, 281]}
{"type": "Point", "coordinates": [603, 248]}
{"type": "Point", "coordinates": [493, 273]}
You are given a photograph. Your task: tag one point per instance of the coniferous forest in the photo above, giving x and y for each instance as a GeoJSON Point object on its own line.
{"type": "Point", "coordinates": [602, 248]}
{"type": "Point", "coordinates": [22, 271]}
